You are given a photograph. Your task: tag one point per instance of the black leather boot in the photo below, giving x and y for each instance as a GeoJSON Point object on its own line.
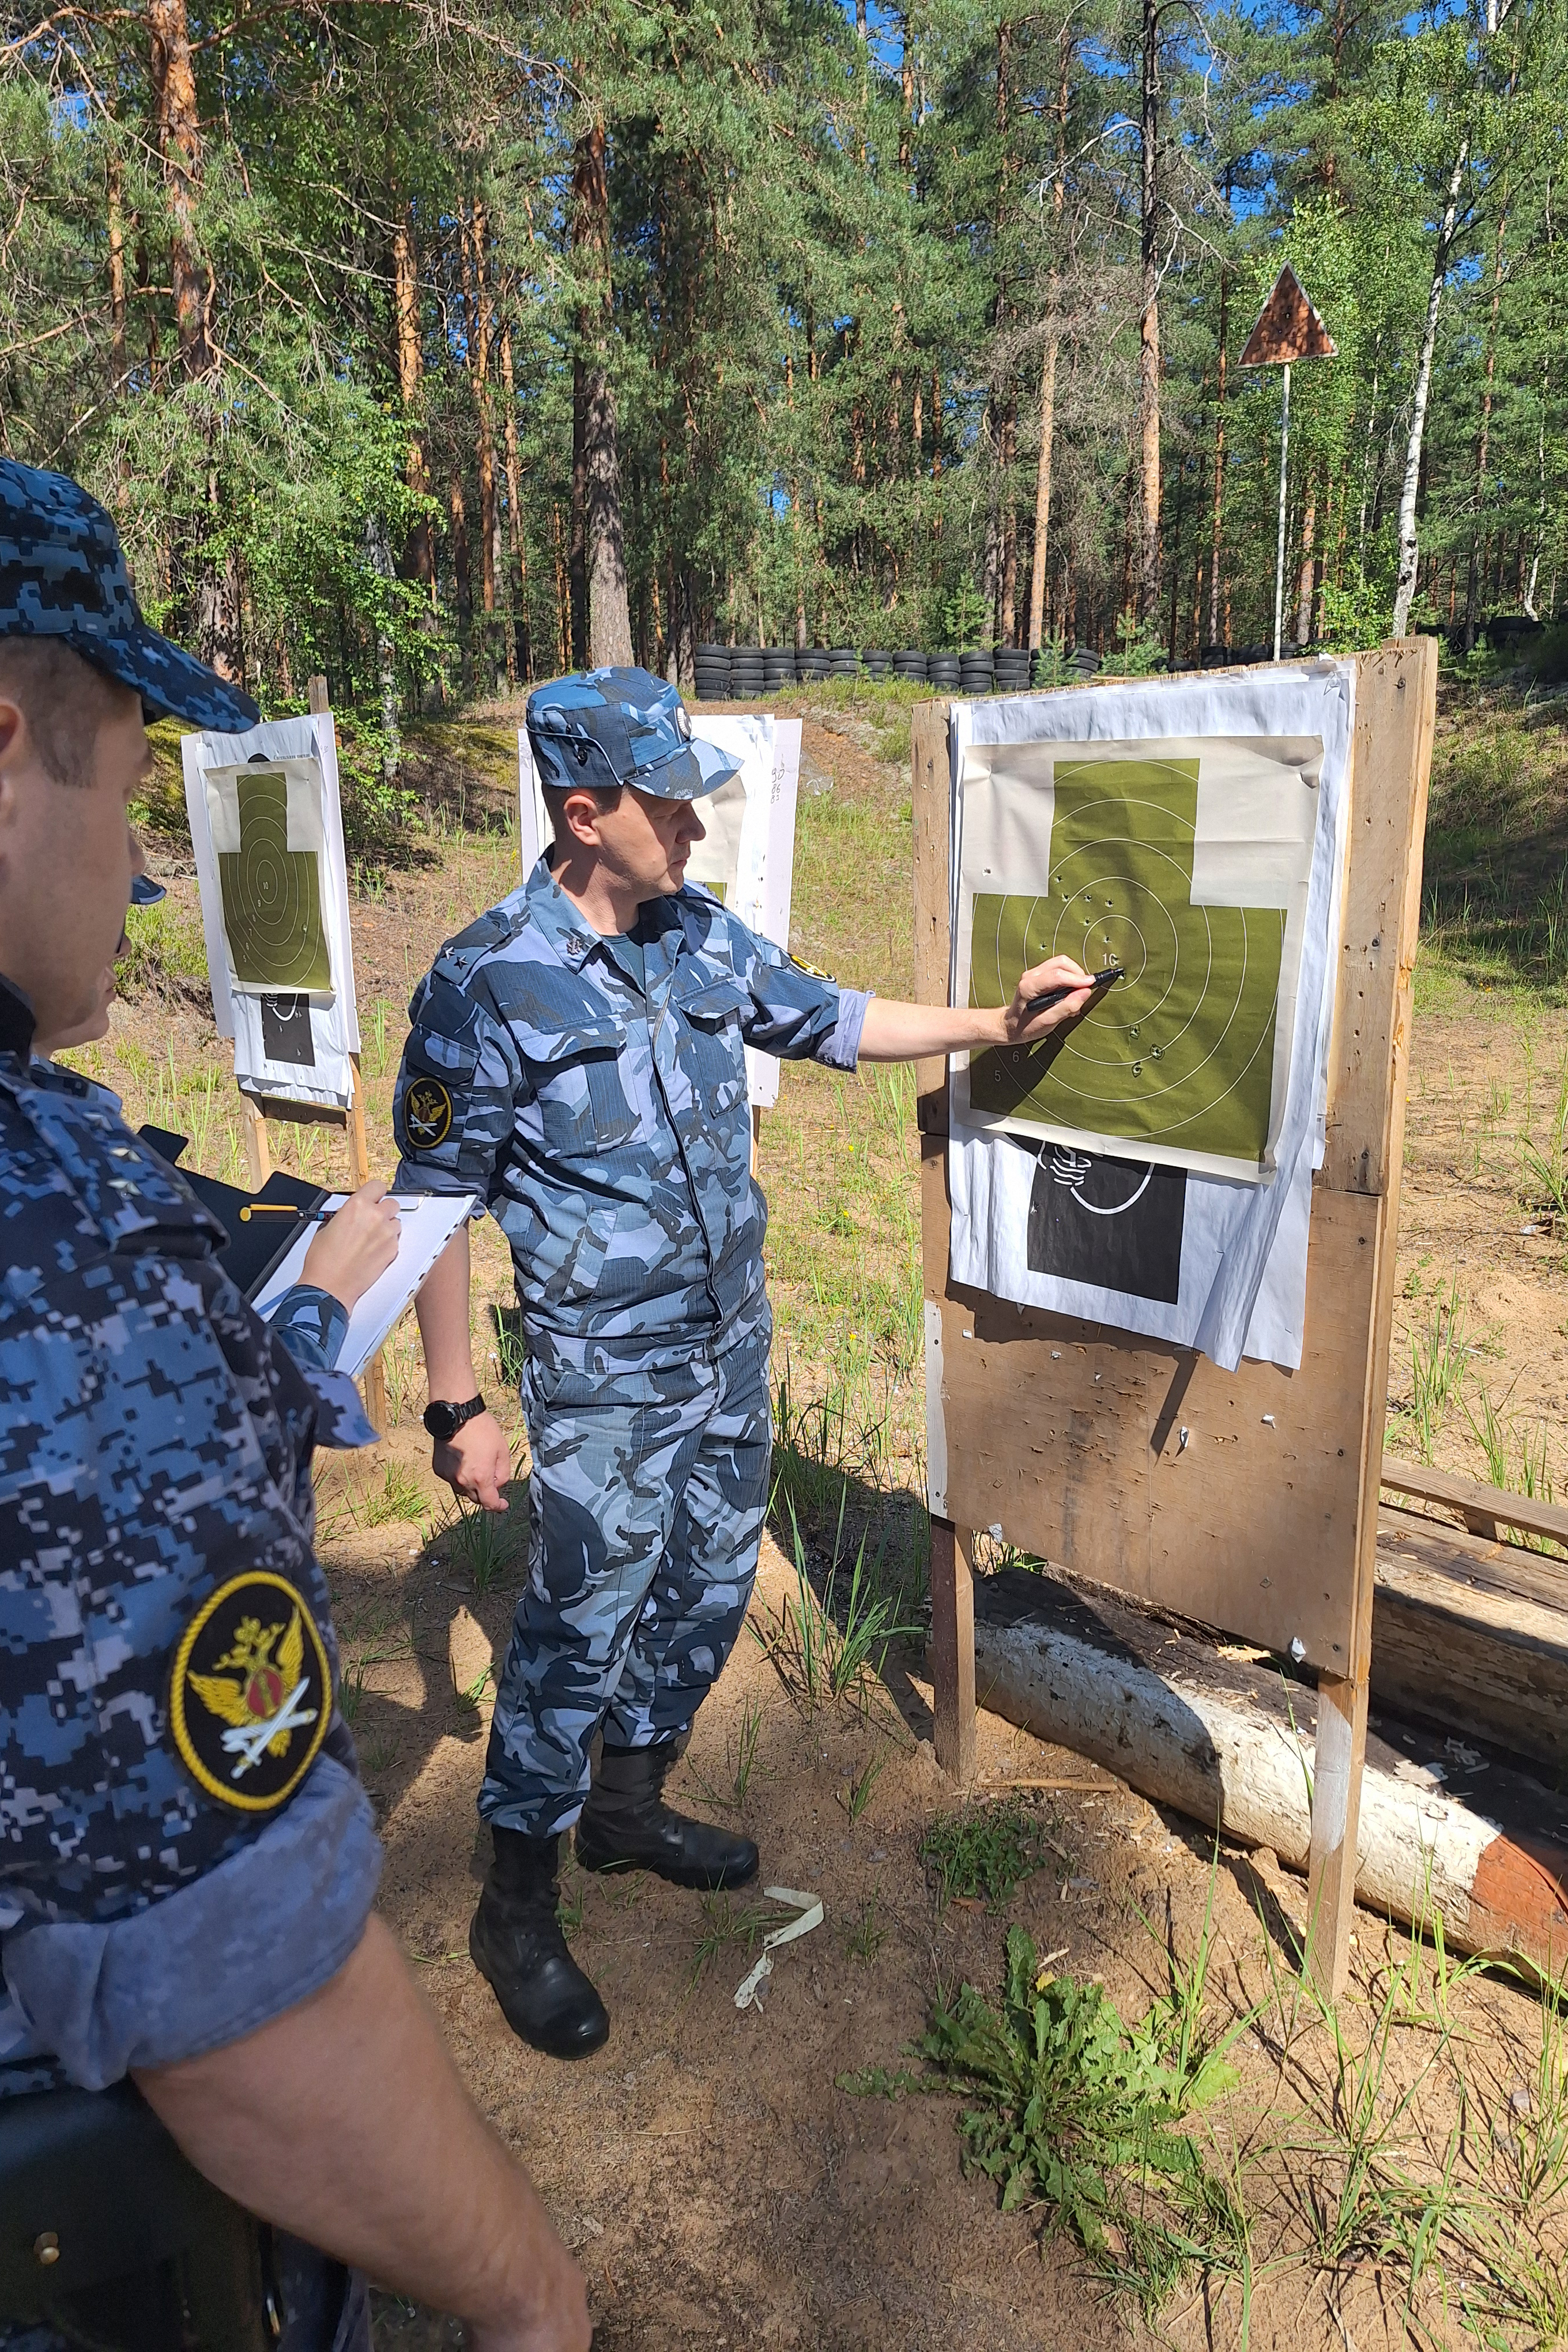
{"type": "Point", "coordinates": [518, 1945]}
{"type": "Point", "coordinates": [626, 1825]}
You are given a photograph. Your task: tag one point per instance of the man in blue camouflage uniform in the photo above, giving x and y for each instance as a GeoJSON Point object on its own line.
{"type": "Point", "coordinates": [577, 1056]}
{"type": "Point", "coordinates": [187, 1861]}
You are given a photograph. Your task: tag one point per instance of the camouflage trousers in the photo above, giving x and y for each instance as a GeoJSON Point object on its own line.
{"type": "Point", "coordinates": [648, 1493]}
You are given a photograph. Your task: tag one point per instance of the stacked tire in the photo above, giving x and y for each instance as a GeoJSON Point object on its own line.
{"type": "Point", "coordinates": [942, 669]}
{"type": "Point", "coordinates": [812, 664]}
{"type": "Point", "coordinates": [1012, 670]}
{"type": "Point", "coordinates": [911, 663]}
{"type": "Point", "coordinates": [844, 661]}
{"type": "Point", "coordinates": [877, 663]}
{"type": "Point", "coordinates": [712, 665]}
{"type": "Point", "coordinates": [778, 667]}
{"type": "Point", "coordinates": [975, 672]}
{"type": "Point", "coordinates": [747, 672]}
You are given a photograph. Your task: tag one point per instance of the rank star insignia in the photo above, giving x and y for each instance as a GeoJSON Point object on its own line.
{"type": "Point", "coordinates": [426, 1114]}
{"type": "Point", "coordinates": [250, 1693]}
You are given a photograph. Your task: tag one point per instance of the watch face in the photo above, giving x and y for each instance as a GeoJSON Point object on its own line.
{"type": "Point", "coordinates": [441, 1420]}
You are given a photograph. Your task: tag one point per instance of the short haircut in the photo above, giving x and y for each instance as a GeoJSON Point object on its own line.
{"type": "Point", "coordinates": [64, 698]}
{"type": "Point", "coordinates": [604, 796]}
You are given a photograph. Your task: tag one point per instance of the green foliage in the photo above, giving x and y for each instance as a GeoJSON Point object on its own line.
{"type": "Point", "coordinates": [986, 1851]}
{"type": "Point", "coordinates": [165, 955]}
{"type": "Point", "coordinates": [1077, 2111]}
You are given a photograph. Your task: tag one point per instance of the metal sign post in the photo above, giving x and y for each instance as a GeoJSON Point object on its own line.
{"type": "Point", "coordinates": [1288, 329]}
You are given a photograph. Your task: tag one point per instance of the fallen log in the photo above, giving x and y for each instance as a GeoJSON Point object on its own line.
{"type": "Point", "coordinates": [1229, 1741]}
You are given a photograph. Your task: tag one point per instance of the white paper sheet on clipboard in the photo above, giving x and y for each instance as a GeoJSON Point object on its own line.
{"type": "Point", "coordinates": [424, 1227]}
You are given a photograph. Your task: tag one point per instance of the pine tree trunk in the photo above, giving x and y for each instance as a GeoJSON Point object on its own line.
{"type": "Point", "coordinates": [1307, 572]}
{"type": "Point", "coordinates": [523, 635]}
{"type": "Point", "coordinates": [462, 577]}
{"type": "Point", "coordinates": [1149, 331]}
{"type": "Point", "coordinates": [577, 537]}
{"type": "Point", "coordinates": [1409, 543]}
{"type": "Point", "coordinates": [1045, 461]}
{"type": "Point", "coordinates": [116, 224]}
{"type": "Point", "coordinates": [420, 554]}
{"type": "Point", "coordinates": [1216, 549]}
{"type": "Point", "coordinates": [609, 617]}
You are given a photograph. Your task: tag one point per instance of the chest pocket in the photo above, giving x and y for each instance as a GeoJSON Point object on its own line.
{"type": "Point", "coordinates": [576, 1073]}
{"type": "Point", "coordinates": [713, 1047]}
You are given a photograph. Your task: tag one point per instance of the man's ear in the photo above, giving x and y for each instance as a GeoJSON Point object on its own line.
{"type": "Point", "coordinates": [14, 751]}
{"type": "Point", "coordinates": [582, 812]}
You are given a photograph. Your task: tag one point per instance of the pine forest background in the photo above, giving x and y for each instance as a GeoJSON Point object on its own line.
{"type": "Point", "coordinates": [438, 347]}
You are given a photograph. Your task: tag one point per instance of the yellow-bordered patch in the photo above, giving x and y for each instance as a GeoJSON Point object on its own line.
{"type": "Point", "coordinates": [426, 1114]}
{"type": "Point", "coordinates": [811, 971]}
{"type": "Point", "coordinates": [250, 1693]}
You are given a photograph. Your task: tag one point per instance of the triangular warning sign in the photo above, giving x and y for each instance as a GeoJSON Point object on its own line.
{"type": "Point", "coordinates": [1288, 328]}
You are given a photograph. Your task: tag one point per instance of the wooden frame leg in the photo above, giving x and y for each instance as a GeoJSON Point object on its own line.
{"type": "Point", "coordinates": [1336, 1829]}
{"type": "Point", "coordinates": [952, 1646]}
{"type": "Point", "coordinates": [375, 1379]}
{"type": "Point", "coordinates": [253, 1135]}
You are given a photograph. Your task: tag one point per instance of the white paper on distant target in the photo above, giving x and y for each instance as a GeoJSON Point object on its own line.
{"type": "Point", "coordinates": [267, 830]}
{"type": "Point", "coordinates": [1056, 1220]}
{"type": "Point", "coordinates": [747, 856]}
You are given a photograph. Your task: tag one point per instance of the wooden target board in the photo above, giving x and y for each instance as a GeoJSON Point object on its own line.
{"type": "Point", "coordinates": [1245, 1499]}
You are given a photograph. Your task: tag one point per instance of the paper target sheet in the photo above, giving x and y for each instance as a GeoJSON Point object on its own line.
{"type": "Point", "coordinates": [1187, 863]}
{"type": "Point", "coordinates": [268, 834]}
{"type": "Point", "coordinates": [1152, 1169]}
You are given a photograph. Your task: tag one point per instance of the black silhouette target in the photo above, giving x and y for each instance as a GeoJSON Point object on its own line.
{"type": "Point", "coordinates": [272, 894]}
{"type": "Point", "coordinates": [1180, 1051]}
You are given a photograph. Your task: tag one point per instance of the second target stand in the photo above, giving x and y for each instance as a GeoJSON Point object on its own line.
{"type": "Point", "coordinates": [267, 829]}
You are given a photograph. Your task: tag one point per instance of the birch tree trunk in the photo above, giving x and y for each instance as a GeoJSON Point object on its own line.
{"type": "Point", "coordinates": [1409, 546]}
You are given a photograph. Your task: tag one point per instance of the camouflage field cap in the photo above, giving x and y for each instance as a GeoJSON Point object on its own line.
{"type": "Point", "coordinates": [604, 727]}
{"type": "Point", "coordinates": [62, 574]}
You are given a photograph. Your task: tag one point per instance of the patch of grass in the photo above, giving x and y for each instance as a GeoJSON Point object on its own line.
{"type": "Point", "coordinates": [865, 1938]}
{"type": "Point", "coordinates": [510, 1354]}
{"type": "Point", "coordinates": [351, 1693]}
{"type": "Point", "coordinates": [726, 1928]}
{"type": "Point", "coordinates": [985, 1851]}
{"type": "Point", "coordinates": [485, 1543]}
{"type": "Point", "coordinates": [402, 1497]}
{"type": "Point", "coordinates": [856, 1792]}
{"type": "Point", "coordinates": [1438, 1362]}
{"type": "Point", "coordinates": [1077, 2111]}
{"type": "Point", "coordinates": [834, 1648]}
{"type": "Point", "coordinates": [165, 956]}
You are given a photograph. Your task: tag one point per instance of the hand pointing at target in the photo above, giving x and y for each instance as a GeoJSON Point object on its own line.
{"type": "Point", "coordinates": [1023, 1026]}
{"type": "Point", "coordinates": [897, 1033]}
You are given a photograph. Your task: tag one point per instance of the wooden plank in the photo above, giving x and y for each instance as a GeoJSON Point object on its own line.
{"type": "Point", "coordinates": [931, 800]}
{"type": "Point", "coordinates": [1368, 1056]}
{"type": "Point", "coordinates": [1472, 1660]}
{"type": "Point", "coordinates": [1475, 1561]}
{"type": "Point", "coordinates": [1485, 1510]}
{"type": "Point", "coordinates": [1369, 1076]}
{"type": "Point", "coordinates": [952, 1648]}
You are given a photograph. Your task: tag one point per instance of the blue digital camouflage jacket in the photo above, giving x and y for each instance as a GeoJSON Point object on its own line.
{"type": "Point", "coordinates": [155, 1443]}
{"type": "Point", "coordinates": [603, 1115]}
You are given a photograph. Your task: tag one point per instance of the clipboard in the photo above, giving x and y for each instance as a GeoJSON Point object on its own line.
{"type": "Point", "coordinates": [265, 1257]}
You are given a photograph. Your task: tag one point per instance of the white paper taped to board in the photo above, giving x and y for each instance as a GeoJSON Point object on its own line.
{"type": "Point", "coordinates": [1056, 1222]}
{"type": "Point", "coordinates": [266, 826]}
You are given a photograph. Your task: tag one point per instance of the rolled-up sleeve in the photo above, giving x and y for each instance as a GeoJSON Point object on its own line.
{"type": "Point", "coordinates": [264, 1929]}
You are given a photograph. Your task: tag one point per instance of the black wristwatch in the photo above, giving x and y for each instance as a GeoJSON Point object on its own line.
{"type": "Point", "coordinates": [444, 1421]}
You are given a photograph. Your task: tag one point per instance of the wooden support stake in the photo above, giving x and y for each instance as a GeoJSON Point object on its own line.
{"type": "Point", "coordinates": [952, 1647]}
{"type": "Point", "coordinates": [359, 1161]}
{"type": "Point", "coordinates": [253, 1131]}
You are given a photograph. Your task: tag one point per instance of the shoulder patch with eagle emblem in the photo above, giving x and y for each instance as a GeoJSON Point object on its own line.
{"type": "Point", "coordinates": [427, 1113]}
{"type": "Point", "coordinates": [250, 1694]}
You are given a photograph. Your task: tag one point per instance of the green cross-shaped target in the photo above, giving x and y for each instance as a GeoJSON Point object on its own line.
{"type": "Point", "coordinates": [272, 894]}
{"type": "Point", "coordinates": [1180, 1053]}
